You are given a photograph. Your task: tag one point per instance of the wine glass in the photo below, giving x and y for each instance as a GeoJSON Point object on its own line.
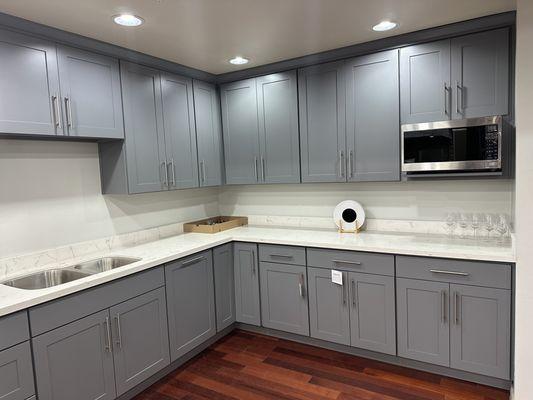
{"type": "Point", "coordinates": [463, 223]}
{"type": "Point", "coordinates": [477, 219]}
{"type": "Point", "coordinates": [451, 222]}
{"type": "Point", "coordinates": [489, 225]}
{"type": "Point", "coordinates": [502, 226]}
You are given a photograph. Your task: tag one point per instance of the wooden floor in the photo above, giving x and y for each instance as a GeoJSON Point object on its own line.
{"type": "Point", "coordinates": [250, 366]}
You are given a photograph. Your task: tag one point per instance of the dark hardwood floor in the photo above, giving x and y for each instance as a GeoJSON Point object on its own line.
{"type": "Point", "coordinates": [249, 366]}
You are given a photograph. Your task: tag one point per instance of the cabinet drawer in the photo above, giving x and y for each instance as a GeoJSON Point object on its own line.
{"type": "Point", "coordinates": [14, 329]}
{"type": "Point", "coordinates": [282, 254]}
{"type": "Point", "coordinates": [60, 312]}
{"type": "Point", "coordinates": [16, 373]}
{"type": "Point", "coordinates": [380, 264]}
{"type": "Point", "coordinates": [456, 271]}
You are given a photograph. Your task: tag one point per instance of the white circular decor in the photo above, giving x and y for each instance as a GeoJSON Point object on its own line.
{"type": "Point", "coordinates": [349, 215]}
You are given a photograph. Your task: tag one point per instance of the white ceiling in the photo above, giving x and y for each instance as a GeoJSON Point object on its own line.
{"type": "Point", "coordinates": [204, 34]}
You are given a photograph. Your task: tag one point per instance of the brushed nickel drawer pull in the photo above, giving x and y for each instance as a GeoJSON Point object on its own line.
{"type": "Point", "coordinates": [354, 294]}
{"type": "Point", "coordinates": [282, 256]}
{"type": "Point", "coordinates": [192, 261]}
{"type": "Point", "coordinates": [444, 272]}
{"type": "Point", "coordinates": [443, 301]}
{"type": "Point", "coordinates": [107, 335]}
{"type": "Point", "coordinates": [301, 286]}
{"type": "Point", "coordinates": [346, 262]}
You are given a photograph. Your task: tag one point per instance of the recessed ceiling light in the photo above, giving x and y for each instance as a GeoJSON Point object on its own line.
{"type": "Point", "coordinates": [127, 20]}
{"type": "Point", "coordinates": [385, 26]}
{"type": "Point", "coordinates": [239, 60]}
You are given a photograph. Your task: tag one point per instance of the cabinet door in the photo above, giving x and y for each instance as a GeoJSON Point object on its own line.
{"type": "Point", "coordinates": [241, 131]}
{"type": "Point", "coordinates": [29, 85]}
{"type": "Point", "coordinates": [180, 131]}
{"type": "Point", "coordinates": [284, 303]}
{"type": "Point", "coordinates": [191, 303]}
{"type": "Point", "coordinates": [140, 338]}
{"type": "Point", "coordinates": [322, 98]}
{"type": "Point", "coordinates": [277, 103]}
{"type": "Point", "coordinates": [91, 96]}
{"type": "Point", "coordinates": [480, 74]}
{"type": "Point", "coordinates": [425, 82]}
{"type": "Point", "coordinates": [423, 327]}
{"type": "Point", "coordinates": [16, 373]}
{"type": "Point", "coordinates": [481, 330]}
{"type": "Point", "coordinates": [143, 124]}
{"type": "Point", "coordinates": [224, 285]}
{"type": "Point", "coordinates": [329, 317]}
{"type": "Point", "coordinates": [373, 118]}
{"type": "Point", "coordinates": [372, 312]}
{"type": "Point", "coordinates": [75, 361]}
{"type": "Point", "coordinates": [247, 303]}
{"type": "Point", "coordinates": [208, 133]}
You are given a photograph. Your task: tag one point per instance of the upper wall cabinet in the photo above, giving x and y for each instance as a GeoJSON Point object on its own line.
{"type": "Point", "coordinates": [208, 133]}
{"type": "Point", "coordinates": [372, 118]}
{"type": "Point", "coordinates": [465, 77]}
{"type": "Point", "coordinates": [260, 119]}
{"type": "Point", "coordinates": [322, 96]}
{"type": "Point", "coordinates": [29, 84]}
{"type": "Point", "coordinates": [91, 96]}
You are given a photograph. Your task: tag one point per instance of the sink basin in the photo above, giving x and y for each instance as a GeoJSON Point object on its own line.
{"type": "Point", "coordinates": [103, 264]}
{"type": "Point", "coordinates": [45, 279]}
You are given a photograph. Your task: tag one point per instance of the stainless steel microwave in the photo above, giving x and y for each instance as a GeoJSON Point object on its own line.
{"type": "Point", "coordinates": [473, 144]}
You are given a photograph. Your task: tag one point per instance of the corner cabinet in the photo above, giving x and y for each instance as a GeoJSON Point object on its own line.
{"type": "Point", "coordinates": [247, 297]}
{"type": "Point", "coordinates": [260, 121]}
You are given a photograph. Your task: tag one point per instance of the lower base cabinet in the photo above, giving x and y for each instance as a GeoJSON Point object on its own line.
{"type": "Point", "coordinates": [16, 372]}
{"type": "Point", "coordinates": [190, 302]}
{"type": "Point", "coordinates": [284, 297]}
{"type": "Point", "coordinates": [247, 301]}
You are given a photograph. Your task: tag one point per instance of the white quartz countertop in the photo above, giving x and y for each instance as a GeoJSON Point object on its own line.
{"type": "Point", "coordinates": [165, 250]}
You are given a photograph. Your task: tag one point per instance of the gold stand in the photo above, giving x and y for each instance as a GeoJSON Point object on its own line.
{"type": "Point", "coordinates": [342, 230]}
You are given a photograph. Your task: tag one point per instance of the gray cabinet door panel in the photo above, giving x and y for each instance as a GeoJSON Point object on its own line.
{"type": "Point", "coordinates": [277, 104]}
{"type": "Point", "coordinates": [16, 373]}
{"type": "Point", "coordinates": [329, 317]}
{"type": "Point", "coordinates": [14, 328]}
{"type": "Point", "coordinates": [247, 302]}
{"type": "Point", "coordinates": [224, 285]}
{"type": "Point", "coordinates": [28, 83]}
{"type": "Point", "coordinates": [190, 303]}
{"type": "Point", "coordinates": [75, 361]}
{"type": "Point", "coordinates": [372, 312]}
{"type": "Point", "coordinates": [480, 74]}
{"type": "Point", "coordinates": [140, 339]}
{"type": "Point", "coordinates": [480, 330]}
{"type": "Point", "coordinates": [208, 133]}
{"type": "Point", "coordinates": [284, 303]}
{"type": "Point", "coordinates": [241, 131]}
{"type": "Point", "coordinates": [180, 131]}
{"type": "Point", "coordinates": [425, 82]}
{"type": "Point", "coordinates": [372, 118]}
{"type": "Point", "coordinates": [423, 320]}
{"type": "Point", "coordinates": [143, 123]}
{"type": "Point", "coordinates": [91, 96]}
{"type": "Point", "coordinates": [322, 108]}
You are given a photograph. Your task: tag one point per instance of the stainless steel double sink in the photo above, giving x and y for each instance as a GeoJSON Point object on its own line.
{"type": "Point", "coordinates": [58, 276]}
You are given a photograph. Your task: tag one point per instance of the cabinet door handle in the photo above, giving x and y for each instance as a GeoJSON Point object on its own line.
{"type": "Point", "coordinates": [459, 98]}
{"type": "Point", "coordinates": [446, 92]}
{"type": "Point", "coordinates": [68, 106]}
{"type": "Point", "coordinates": [119, 333]}
{"type": "Point", "coordinates": [346, 262]}
{"type": "Point", "coordinates": [443, 305]}
{"type": "Point", "coordinates": [350, 164]}
{"type": "Point", "coordinates": [301, 286]}
{"type": "Point", "coordinates": [341, 162]}
{"type": "Point", "coordinates": [444, 272]}
{"type": "Point", "coordinates": [56, 112]}
{"type": "Point", "coordinates": [172, 172]}
{"type": "Point", "coordinates": [165, 173]}
{"type": "Point", "coordinates": [354, 294]}
{"type": "Point", "coordinates": [263, 167]}
{"type": "Point", "coordinates": [282, 256]}
{"type": "Point", "coordinates": [204, 171]}
{"type": "Point", "coordinates": [255, 169]}
{"type": "Point", "coordinates": [456, 306]}
{"type": "Point", "coordinates": [344, 289]}
{"type": "Point", "coordinates": [201, 172]}
{"type": "Point", "coordinates": [192, 261]}
{"type": "Point", "coordinates": [107, 335]}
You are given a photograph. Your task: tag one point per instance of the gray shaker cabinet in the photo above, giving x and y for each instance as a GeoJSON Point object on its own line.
{"type": "Point", "coordinates": [247, 302]}
{"type": "Point", "coordinates": [322, 108]}
{"type": "Point", "coordinates": [372, 118]}
{"type": "Point", "coordinates": [480, 330]}
{"type": "Point", "coordinates": [284, 303]}
{"type": "Point", "coordinates": [480, 74]}
{"type": "Point", "coordinates": [425, 92]}
{"type": "Point", "coordinates": [278, 128]}
{"type": "Point", "coordinates": [145, 139]}
{"type": "Point", "coordinates": [241, 131]}
{"type": "Point", "coordinates": [208, 133]}
{"type": "Point", "coordinates": [75, 361]}
{"type": "Point", "coordinates": [190, 302]}
{"type": "Point", "coordinates": [91, 95]}
{"type": "Point", "coordinates": [180, 131]}
{"type": "Point", "coordinates": [16, 372]}
{"type": "Point", "coordinates": [329, 317]}
{"type": "Point", "coordinates": [372, 312]}
{"type": "Point", "coordinates": [423, 320]}
{"type": "Point", "coordinates": [224, 285]}
{"type": "Point", "coordinates": [29, 84]}
{"type": "Point", "coordinates": [140, 339]}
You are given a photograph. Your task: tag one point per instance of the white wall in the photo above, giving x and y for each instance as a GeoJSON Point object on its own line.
{"type": "Point", "coordinates": [50, 195]}
{"type": "Point", "coordinates": [523, 389]}
{"type": "Point", "coordinates": [401, 200]}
